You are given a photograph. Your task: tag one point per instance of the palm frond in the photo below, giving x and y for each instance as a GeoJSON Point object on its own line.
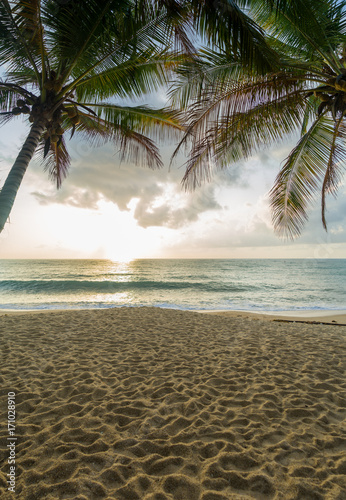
{"type": "Point", "coordinates": [146, 38]}
{"type": "Point", "coordinates": [5, 117]}
{"type": "Point", "coordinates": [196, 75]}
{"type": "Point", "coordinates": [312, 26]}
{"type": "Point", "coordinates": [162, 123]}
{"type": "Point", "coordinates": [90, 128]}
{"type": "Point", "coordinates": [311, 111]}
{"type": "Point", "coordinates": [336, 165]}
{"type": "Point", "coordinates": [301, 177]}
{"type": "Point", "coordinates": [15, 46]}
{"type": "Point", "coordinates": [137, 147]}
{"type": "Point", "coordinates": [9, 93]}
{"type": "Point", "coordinates": [132, 78]}
{"type": "Point", "coordinates": [237, 136]}
{"type": "Point", "coordinates": [233, 104]}
{"type": "Point", "coordinates": [8, 100]}
{"type": "Point", "coordinates": [224, 24]}
{"type": "Point", "coordinates": [97, 13]}
{"type": "Point", "coordinates": [56, 162]}
{"type": "Point", "coordinates": [127, 128]}
{"type": "Point", "coordinates": [132, 145]}
{"type": "Point", "coordinates": [23, 76]}
{"type": "Point", "coordinates": [73, 27]}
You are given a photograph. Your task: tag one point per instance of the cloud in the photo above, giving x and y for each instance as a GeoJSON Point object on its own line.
{"type": "Point", "coordinates": [177, 209]}
{"type": "Point", "coordinates": [98, 174]}
{"type": "Point", "coordinates": [232, 210]}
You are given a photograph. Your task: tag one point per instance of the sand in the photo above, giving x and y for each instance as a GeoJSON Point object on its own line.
{"type": "Point", "coordinates": [153, 404]}
{"type": "Point", "coordinates": [310, 316]}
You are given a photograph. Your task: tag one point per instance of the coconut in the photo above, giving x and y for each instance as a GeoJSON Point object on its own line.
{"type": "Point", "coordinates": [20, 103]}
{"type": "Point", "coordinates": [75, 120]}
{"type": "Point", "coordinates": [54, 138]}
{"type": "Point", "coordinates": [71, 112]}
{"type": "Point", "coordinates": [324, 97]}
{"type": "Point", "coordinates": [26, 110]}
{"type": "Point", "coordinates": [49, 85]}
{"type": "Point", "coordinates": [16, 111]}
{"type": "Point", "coordinates": [59, 130]}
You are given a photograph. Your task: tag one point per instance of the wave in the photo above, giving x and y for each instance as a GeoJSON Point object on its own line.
{"type": "Point", "coordinates": [72, 286]}
{"type": "Point", "coordinates": [164, 305]}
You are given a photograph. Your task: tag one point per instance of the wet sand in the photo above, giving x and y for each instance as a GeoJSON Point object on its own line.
{"type": "Point", "coordinates": [319, 316]}
{"type": "Point", "coordinates": [154, 404]}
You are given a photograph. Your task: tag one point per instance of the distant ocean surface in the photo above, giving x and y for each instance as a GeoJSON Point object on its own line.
{"type": "Point", "coordinates": [253, 285]}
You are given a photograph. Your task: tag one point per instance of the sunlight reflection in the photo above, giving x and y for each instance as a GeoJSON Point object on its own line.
{"type": "Point", "coordinates": [118, 298]}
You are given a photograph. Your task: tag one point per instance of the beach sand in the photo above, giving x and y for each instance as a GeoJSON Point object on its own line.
{"type": "Point", "coordinates": [154, 404]}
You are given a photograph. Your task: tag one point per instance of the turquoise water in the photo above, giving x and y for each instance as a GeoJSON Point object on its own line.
{"type": "Point", "coordinates": [258, 285]}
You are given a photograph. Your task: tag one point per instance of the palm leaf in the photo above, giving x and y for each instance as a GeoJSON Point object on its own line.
{"type": "Point", "coordinates": [224, 24]}
{"type": "Point", "coordinates": [5, 117]}
{"type": "Point", "coordinates": [312, 26]}
{"type": "Point", "coordinates": [163, 123]}
{"type": "Point", "coordinates": [253, 105]}
{"type": "Point", "coordinates": [56, 161]}
{"type": "Point", "coordinates": [239, 135]}
{"type": "Point", "coordinates": [9, 93]}
{"type": "Point", "coordinates": [146, 38]}
{"type": "Point", "coordinates": [24, 76]}
{"type": "Point", "coordinates": [137, 147]}
{"type": "Point", "coordinates": [301, 177]}
{"type": "Point", "coordinates": [132, 145]}
{"type": "Point", "coordinates": [336, 165]}
{"type": "Point", "coordinates": [98, 12]}
{"type": "Point", "coordinates": [15, 47]}
{"type": "Point", "coordinates": [127, 128]}
{"type": "Point", "coordinates": [311, 111]}
{"type": "Point", "coordinates": [134, 77]}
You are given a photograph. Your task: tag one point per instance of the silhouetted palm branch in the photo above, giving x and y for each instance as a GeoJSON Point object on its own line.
{"type": "Point", "coordinates": [231, 112]}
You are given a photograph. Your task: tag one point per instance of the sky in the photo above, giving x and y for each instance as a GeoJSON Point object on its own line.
{"type": "Point", "coordinates": [116, 210]}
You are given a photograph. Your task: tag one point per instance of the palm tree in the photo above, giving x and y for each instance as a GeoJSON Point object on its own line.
{"type": "Point", "coordinates": [65, 62]}
{"type": "Point", "coordinates": [62, 61]}
{"type": "Point", "coordinates": [233, 111]}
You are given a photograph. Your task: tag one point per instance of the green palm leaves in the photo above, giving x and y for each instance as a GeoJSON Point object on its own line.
{"type": "Point", "coordinates": [68, 62]}
{"type": "Point", "coordinates": [270, 68]}
{"type": "Point", "coordinates": [232, 110]}
{"type": "Point", "coordinates": [315, 164]}
{"type": "Point", "coordinates": [64, 61]}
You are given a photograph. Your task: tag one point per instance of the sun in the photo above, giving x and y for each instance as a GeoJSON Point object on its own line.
{"type": "Point", "coordinates": [122, 239]}
{"type": "Point", "coordinates": [123, 257]}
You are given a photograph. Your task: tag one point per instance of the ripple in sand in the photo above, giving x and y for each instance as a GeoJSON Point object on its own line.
{"type": "Point", "coordinates": [192, 408]}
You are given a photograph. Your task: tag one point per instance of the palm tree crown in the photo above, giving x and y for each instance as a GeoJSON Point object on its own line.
{"type": "Point", "coordinates": [232, 110]}
{"type": "Point", "coordinates": [64, 61]}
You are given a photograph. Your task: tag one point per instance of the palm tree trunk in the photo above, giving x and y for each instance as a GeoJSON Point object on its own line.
{"type": "Point", "coordinates": [9, 190]}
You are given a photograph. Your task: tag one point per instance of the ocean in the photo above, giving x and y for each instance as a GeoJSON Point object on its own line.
{"type": "Point", "coordinates": [230, 284]}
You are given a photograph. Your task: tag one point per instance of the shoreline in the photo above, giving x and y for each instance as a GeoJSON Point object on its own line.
{"type": "Point", "coordinates": [337, 316]}
{"type": "Point", "coordinates": [320, 316]}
